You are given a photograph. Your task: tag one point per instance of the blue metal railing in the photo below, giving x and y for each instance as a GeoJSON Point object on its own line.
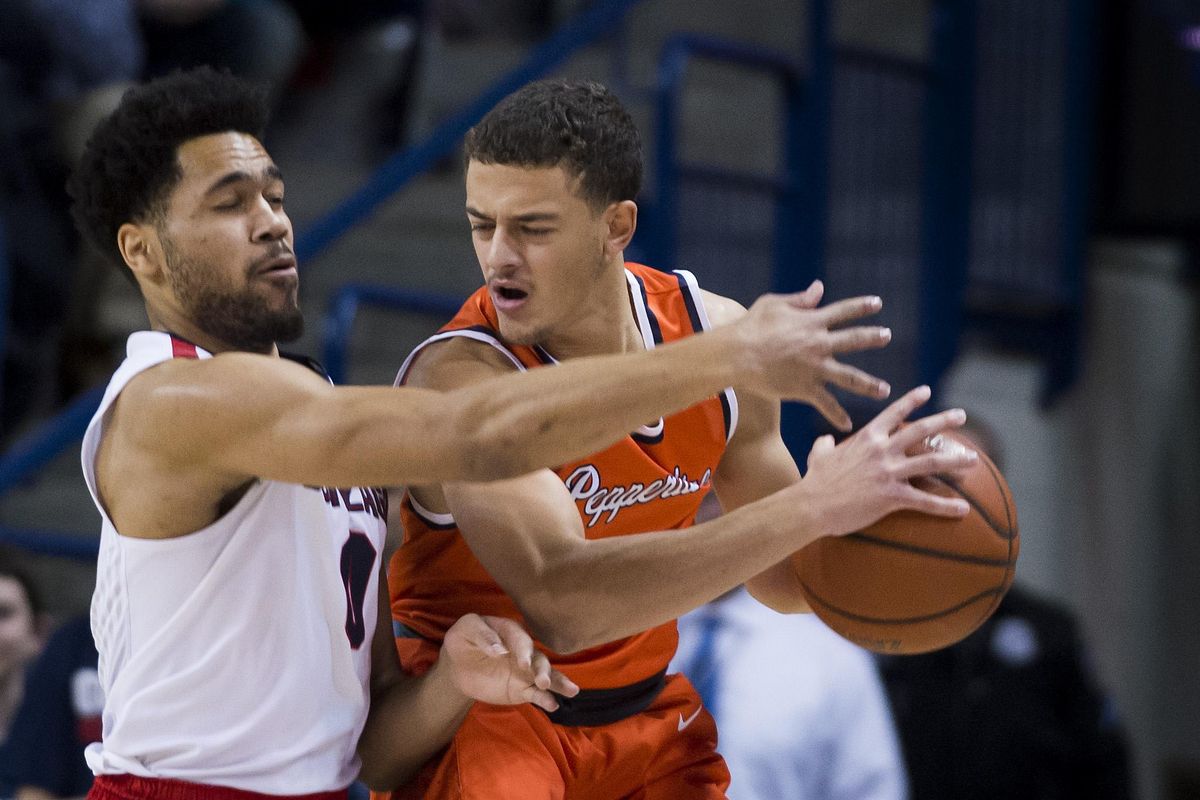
{"type": "Point", "coordinates": [946, 187]}
{"type": "Point", "coordinates": [398, 170]}
{"type": "Point", "coordinates": [794, 261]}
{"type": "Point", "coordinates": [50, 440]}
{"type": "Point", "coordinates": [1032, 101]}
{"type": "Point", "coordinates": [800, 193]}
{"type": "Point", "coordinates": [349, 298]}
{"type": "Point", "coordinates": [34, 451]}
{"type": "Point", "coordinates": [677, 53]}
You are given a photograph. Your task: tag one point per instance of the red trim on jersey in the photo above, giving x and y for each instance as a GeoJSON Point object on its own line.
{"type": "Point", "coordinates": [132, 787]}
{"type": "Point", "coordinates": [182, 349]}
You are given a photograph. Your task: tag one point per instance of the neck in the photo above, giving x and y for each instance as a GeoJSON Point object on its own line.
{"type": "Point", "coordinates": [180, 325]}
{"type": "Point", "coordinates": [608, 325]}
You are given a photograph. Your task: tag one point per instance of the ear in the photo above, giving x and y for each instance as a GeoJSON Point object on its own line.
{"type": "Point", "coordinates": [141, 249]}
{"type": "Point", "coordinates": [621, 219]}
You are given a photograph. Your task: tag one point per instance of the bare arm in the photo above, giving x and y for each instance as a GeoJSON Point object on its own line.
{"type": "Point", "coordinates": [251, 416]}
{"type": "Point", "coordinates": [756, 464]}
{"type": "Point", "coordinates": [482, 658]}
{"type": "Point", "coordinates": [575, 593]}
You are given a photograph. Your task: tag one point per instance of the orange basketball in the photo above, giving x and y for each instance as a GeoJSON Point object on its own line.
{"type": "Point", "coordinates": [912, 582]}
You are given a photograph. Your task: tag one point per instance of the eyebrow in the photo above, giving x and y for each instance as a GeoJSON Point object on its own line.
{"type": "Point", "coordinates": [271, 173]}
{"type": "Point", "coordinates": [544, 216]}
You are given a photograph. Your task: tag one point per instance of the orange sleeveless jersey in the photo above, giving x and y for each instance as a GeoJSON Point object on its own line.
{"type": "Point", "coordinates": [653, 479]}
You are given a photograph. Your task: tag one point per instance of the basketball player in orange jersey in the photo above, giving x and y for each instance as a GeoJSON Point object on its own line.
{"type": "Point", "coordinates": [236, 610]}
{"type": "Point", "coordinates": [589, 554]}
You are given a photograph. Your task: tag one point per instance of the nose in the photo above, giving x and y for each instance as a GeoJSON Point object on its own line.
{"type": "Point", "coordinates": [501, 251]}
{"type": "Point", "coordinates": [271, 223]}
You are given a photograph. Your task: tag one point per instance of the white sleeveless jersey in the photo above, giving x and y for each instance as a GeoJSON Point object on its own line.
{"type": "Point", "coordinates": [237, 655]}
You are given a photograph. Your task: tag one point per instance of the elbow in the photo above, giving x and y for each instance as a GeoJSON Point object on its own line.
{"type": "Point", "coordinates": [557, 638]}
{"type": "Point", "coordinates": [562, 642]}
{"type": "Point", "coordinates": [782, 601]}
{"type": "Point", "coordinates": [553, 626]}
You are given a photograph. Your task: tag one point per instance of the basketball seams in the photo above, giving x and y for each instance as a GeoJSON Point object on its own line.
{"type": "Point", "coordinates": [1009, 534]}
{"type": "Point", "coordinates": [977, 507]}
{"type": "Point", "coordinates": [868, 538]}
{"type": "Point", "coordinates": [850, 615]}
{"type": "Point", "coordinates": [860, 590]}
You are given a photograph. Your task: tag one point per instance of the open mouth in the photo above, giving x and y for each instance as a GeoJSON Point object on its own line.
{"type": "Point", "coordinates": [508, 293]}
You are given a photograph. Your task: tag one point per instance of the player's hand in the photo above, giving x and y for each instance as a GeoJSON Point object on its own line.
{"type": "Point", "coordinates": [872, 473]}
{"type": "Point", "coordinates": [493, 659]}
{"type": "Point", "coordinates": [794, 346]}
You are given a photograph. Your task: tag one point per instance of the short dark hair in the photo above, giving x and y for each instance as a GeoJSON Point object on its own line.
{"type": "Point", "coordinates": [131, 162]}
{"type": "Point", "coordinates": [578, 125]}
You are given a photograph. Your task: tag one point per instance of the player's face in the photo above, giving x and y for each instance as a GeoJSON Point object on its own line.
{"type": "Point", "coordinates": [227, 243]}
{"type": "Point", "coordinates": [540, 246]}
{"type": "Point", "coordinates": [18, 631]}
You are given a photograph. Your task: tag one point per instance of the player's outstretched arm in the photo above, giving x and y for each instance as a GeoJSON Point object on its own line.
{"type": "Point", "coordinates": [575, 592]}
{"type": "Point", "coordinates": [483, 658]}
{"type": "Point", "coordinates": [243, 415]}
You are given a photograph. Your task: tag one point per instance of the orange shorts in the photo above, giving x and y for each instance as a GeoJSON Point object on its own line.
{"type": "Point", "coordinates": [666, 752]}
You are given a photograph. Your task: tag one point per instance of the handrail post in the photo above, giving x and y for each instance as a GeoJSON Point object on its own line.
{"type": "Point", "coordinates": [676, 55]}
{"type": "Point", "coordinates": [672, 66]}
{"type": "Point", "coordinates": [589, 25]}
{"type": "Point", "coordinates": [946, 186]}
{"type": "Point", "coordinates": [1079, 98]}
{"type": "Point", "coordinates": [808, 148]}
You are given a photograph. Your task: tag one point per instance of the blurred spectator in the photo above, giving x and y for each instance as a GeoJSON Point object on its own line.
{"type": "Point", "coordinates": [800, 712]}
{"type": "Point", "coordinates": [387, 34]}
{"type": "Point", "coordinates": [261, 40]}
{"type": "Point", "coordinates": [60, 715]}
{"type": "Point", "coordinates": [20, 623]}
{"type": "Point", "coordinates": [63, 66]}
{"type": "Point", "coordinates": [515, 19]}
{"type": "Point", "coordinates": [1010, 713]}
{"type": "Point", "coordinates": [1013, 711]}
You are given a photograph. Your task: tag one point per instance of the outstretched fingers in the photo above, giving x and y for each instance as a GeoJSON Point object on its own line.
{"type": "Point", "coordinates": [855, 380]}
{"type": "Point", "coordinates": [548, 684]}
{"type": "Point", "coordinates": [919, 430]}
{"type": "Point", "coordinates": [938, 462]}
{"type": "Point", "coordinates": [515, 640]}
{"type": "Point", "coordinates": [859, 337]}
{"type": "Point", "coordinates": [829, 408]}
{"type": "Point", "coordinates": [809, 298]}
{"type": "Point", "coordinates": [934, 504]}
{"type": "Point", "coordinates": [849, 310]}
{"type": "Point", "coordinates": [894, 415]}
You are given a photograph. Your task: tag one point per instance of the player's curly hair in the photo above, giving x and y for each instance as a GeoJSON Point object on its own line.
{"type": "Point", "coordinates": [578, 125]}
{"type": "Point", "coordinates": [130, 163]}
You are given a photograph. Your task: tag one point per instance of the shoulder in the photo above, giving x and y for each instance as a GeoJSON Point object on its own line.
{"type": "Point", "coordinates": [178, 411]}
{"type": "Point", "coordinates": [721, 310]}
{"type": "Point", "coordinates": [185, 384]}
{"type": "Point", "coordinates": [457, 361]}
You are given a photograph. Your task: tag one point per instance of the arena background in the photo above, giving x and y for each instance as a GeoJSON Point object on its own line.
{"type": "Point", "coordinates": [1016, 178]}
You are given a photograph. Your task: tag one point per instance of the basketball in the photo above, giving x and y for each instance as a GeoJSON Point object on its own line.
{"type": "Point", "coordinates": [911, 582]}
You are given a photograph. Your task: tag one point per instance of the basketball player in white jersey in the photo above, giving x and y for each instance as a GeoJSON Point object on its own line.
{"type": "Point", "coordinates": [242, 652]}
